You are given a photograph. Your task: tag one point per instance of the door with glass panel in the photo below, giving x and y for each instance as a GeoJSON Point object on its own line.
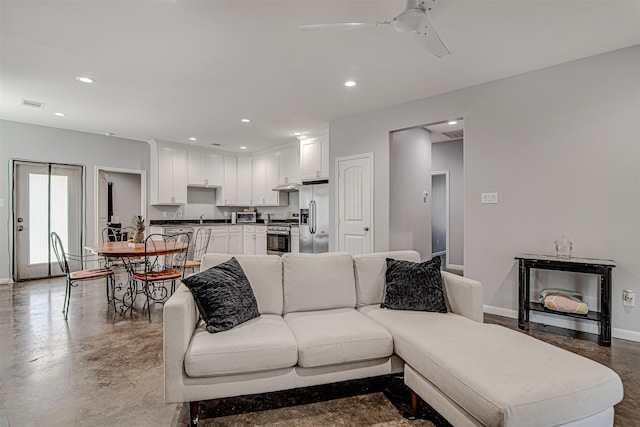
{"type": "Point", "coordinates": [47, 197]}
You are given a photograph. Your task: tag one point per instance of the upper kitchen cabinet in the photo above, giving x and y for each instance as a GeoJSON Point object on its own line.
{"type": "Point", "coordinates": [289, 165]}
{"type": "Point", "coordinates": [245, 182]}
{"type": "Point", "coordinates": [314, 158]}
{"type": "Point", "coordinates": [266, 174]}
{"type": "Point", "coordinates": [205, 169]}
{"type": "Point", "coordinates": [168, 174]}
{"type": "Point", "coordinates": [228, 194]}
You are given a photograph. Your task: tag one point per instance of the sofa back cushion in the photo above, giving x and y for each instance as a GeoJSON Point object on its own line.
{"type": "Point", "coordinates": [318, 281]}
{"type": "Point", "coordinates": [370, 274]}
{"type": "Point", "coordinates": [265, 276]}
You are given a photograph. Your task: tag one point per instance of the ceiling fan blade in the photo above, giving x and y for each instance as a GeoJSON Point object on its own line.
{"type": "Point", "coordinates": [429, 39]}
{"type": "Point", "coordinates": [342, 27]}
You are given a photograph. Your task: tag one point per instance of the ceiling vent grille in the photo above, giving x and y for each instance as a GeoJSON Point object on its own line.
{"type": "Point", "coordinates": [454, 134]}
{"type": "Point", "coordinates": [30, 103]}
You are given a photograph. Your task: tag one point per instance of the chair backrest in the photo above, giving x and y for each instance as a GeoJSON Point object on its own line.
{"type": "Point", "coordinates": [116, 234]}
{"type": "Point", "coordinates": [201, 242]}
{"type": "Point", "coordinates": [127, 233]}
{"type": "Point", "coordinates": [159, 242]}
{"type": "Point", "coordinates": [58, 249]}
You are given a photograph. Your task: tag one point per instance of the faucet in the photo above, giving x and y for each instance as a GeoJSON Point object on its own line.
{"type": "Point", "coordinates": [201, 216]}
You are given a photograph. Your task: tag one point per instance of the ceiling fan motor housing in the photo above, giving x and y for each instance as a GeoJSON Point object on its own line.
{"type": "Point", "coordinates": [410, 21]}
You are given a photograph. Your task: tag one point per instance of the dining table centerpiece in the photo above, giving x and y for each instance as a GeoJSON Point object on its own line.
{"type": "Point", "coordinates": [139, 236]}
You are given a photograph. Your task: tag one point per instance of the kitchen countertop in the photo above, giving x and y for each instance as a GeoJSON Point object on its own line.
{"type": "Point", "coordinates": [211, 222]}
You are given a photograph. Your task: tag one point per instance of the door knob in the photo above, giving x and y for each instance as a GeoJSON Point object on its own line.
{"type": "Point", "coordinates": [366, 229]}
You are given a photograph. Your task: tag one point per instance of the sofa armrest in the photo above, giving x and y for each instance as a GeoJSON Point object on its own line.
{"type": "Point", "coordinates": [463, 296]}
{"type": "Point", "coordinates": [180, 319]}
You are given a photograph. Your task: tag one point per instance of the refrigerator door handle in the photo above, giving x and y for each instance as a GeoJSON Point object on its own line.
{"type": "Point", "coordinates": [312, 217]}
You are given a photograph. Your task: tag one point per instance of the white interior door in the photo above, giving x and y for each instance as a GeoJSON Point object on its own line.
{"type": "Point", "coordinates": [48, 198]}
{"type": "Point", "coordinates": [355, 203]}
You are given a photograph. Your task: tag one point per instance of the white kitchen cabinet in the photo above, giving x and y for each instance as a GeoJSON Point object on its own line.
{"type": "Point", "coordinates": [254, 239]}
{"type": "Point", "coordinates": [205, 169]}
{"type": "Point", "coordinates": [261, 240]}
{"type": "Point", "coordinates": [295, 240]}
{"type": "Point", "coordinates": [219, 242]}
{"type": "Point", "coordinates": [249, 239]}
{"type": "Point", "coordinates": [168, 175]}
{"type": "Point", "coordinates": [227, 195]}
{"type": "Point", "coordinates": [289, 165]}
{"type": "Point", "coordinates": [245, 182]}
{"type": "Point", "coordinates": [314, 158]}
{"type": "Point", "coordinates": [235, 240]}
{"type": "Point", "coordinates": [266, 174]}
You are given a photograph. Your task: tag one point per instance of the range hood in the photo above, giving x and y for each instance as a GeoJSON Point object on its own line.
{"type": "Point", "coordinates": [286, 187]}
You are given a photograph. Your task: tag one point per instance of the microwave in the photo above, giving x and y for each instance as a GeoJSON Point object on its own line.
{"type": "Point", "coordinates": [245, 217]}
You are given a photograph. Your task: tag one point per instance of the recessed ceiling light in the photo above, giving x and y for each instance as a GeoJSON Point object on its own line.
{"type": "Point", "coordinates": [59, 114]}
{"type": "Point", "coordinates": [243, 148]}
{"type": "Point", "coordinates": [297, 134]}
{"type": "Point", "coordinates": [452, 122]}
{"type": "Point", "coordinates": [85, 79]}
{"type": "Point", "coordinates": [109, 133]}
{"type": "Point", "coordinates": [245, 120]}
{"type": "Point", "coordinates": [193, 139]}
{"type": "Point", "coordinates": [350, 83]}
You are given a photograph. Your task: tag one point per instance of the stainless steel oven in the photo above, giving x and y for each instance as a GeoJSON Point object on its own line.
{"type": "Point", "coordinates": [278, 239]}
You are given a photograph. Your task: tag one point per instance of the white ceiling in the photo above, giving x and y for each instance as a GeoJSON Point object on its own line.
{"type": "Point", "coordinates": [176, 69]}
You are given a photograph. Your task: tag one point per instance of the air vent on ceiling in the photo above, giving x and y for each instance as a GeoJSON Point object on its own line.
{"type": "Point", "coordinates": [454, 134]}
{"type": "Point", "coordinates": [215, 144]}
{"type": "Point", "coordinates": [30, 103]}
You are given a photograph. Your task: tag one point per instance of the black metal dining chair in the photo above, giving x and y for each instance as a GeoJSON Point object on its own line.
{"type": "Point", "coordinates": [74, 277]}
{"type": "Point", "coordinates": [197, 249]}
{"type": "Point", "coordinates": [162, 264]}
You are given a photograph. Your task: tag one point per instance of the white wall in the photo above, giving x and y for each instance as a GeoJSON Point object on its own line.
{"type": "Point", "coordinates": [559, 145]}
{"type": "Point", "coordinates": [449, 156]}
{"type": "Point", "coordinates": [46, 144]}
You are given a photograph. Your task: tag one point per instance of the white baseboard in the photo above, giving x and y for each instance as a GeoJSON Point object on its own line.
{"type": "Point", "coordinates": [5, 281]}
{"type": "Point", "coordinates": [562, 322]}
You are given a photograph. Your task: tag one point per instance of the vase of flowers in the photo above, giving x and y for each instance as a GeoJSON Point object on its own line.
{"type": "Point", "coordinates": [139, 236]}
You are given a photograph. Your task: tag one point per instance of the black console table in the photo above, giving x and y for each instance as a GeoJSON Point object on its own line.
{"type": "Point", "coordinates": [601, 267]}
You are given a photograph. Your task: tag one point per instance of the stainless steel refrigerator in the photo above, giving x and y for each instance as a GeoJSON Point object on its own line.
{"type": "Point", "coordinates": [314, 218]}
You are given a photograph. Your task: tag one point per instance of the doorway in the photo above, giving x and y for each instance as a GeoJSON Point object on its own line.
{"type": "Point", "coordinates": [128, 186]}
{"type": "Point", "coordinates": [46, 197]}
{"type": "Point", "coordinates": [414, 153]}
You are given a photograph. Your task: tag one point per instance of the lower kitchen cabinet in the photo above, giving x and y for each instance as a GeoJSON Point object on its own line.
{"type": "Point", "coordinates": [219, 242]}
{"type": "Point", "coordinates": [249, 239]}
{"type": "Point", "coordinates": [235, 240]}
{"type": "Point", "coordinates": [261, 240]}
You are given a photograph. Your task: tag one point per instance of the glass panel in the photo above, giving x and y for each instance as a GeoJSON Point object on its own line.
{"type": "Point", "coordinates": [60, 209]}
{"type": "Point", "coordinates": [38, 215]}
{"type": "Point", "coordinates": [38, 218]}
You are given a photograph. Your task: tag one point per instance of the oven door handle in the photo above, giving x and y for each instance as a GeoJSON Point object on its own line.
{"type": "Point", "coordinates": [312, 217]}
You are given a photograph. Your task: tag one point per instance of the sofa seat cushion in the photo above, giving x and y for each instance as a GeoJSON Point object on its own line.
{"type": "Point", "coordinates": [260, 344]}
{"type": "Point", "coordinates": [500, 376]}
{"type": "Point", "coordinates": [330, 337]}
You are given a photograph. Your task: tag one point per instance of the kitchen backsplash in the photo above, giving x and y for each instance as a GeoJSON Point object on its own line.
{"type": "Point", "coordinates": [203, 201]}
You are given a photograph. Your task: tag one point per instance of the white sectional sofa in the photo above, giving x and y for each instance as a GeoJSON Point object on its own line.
{"type": "Point", "coordinates": [321, 322]}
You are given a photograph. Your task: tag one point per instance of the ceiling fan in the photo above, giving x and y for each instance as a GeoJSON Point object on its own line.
{"type": "Point", "coordinates": [413, 21]}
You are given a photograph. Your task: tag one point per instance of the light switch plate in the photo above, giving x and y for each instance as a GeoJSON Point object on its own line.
{"type": "Point", "coordinates": [489, 198]}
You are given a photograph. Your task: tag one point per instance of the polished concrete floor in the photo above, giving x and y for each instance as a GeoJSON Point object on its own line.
{"type": "Point", "coordinates": [102, 368]}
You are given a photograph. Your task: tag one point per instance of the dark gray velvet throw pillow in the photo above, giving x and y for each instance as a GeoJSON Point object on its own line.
{"type": "Point", "coordinates": [223, 295]}
{"type": "Point", "coordinates": [414, 286]}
